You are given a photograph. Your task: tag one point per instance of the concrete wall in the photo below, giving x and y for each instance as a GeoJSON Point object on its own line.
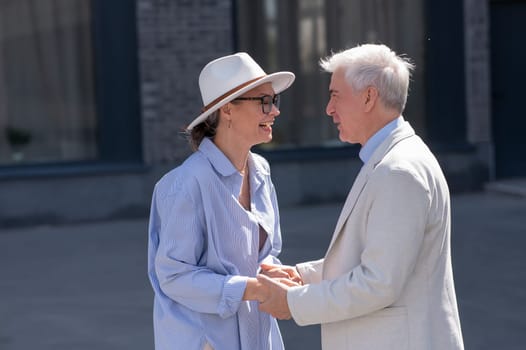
{"type": "Point", "coordinates": [123, 194]}
{"type": "Point", "coordinates": [63, 198]}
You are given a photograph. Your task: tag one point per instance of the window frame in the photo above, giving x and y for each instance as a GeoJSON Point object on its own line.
{"type": "Point", "coordinates": [118, 112]}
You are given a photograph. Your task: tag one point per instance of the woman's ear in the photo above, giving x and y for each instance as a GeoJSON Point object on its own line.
{"type": "Point", "coordinates": [226, 108]}
{"type": "Point", "coordinates": [226, 114]}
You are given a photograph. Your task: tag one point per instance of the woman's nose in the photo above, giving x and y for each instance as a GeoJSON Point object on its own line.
{"type": "Point", "coordinates": [275, 110]}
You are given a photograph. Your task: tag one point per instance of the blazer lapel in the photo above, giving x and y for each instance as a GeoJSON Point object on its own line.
{"type": "Point", "coordinates": [356, 189]}
{"type": "Point", "coordinates": [400, 133]}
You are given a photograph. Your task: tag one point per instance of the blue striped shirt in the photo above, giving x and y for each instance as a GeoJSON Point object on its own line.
{"type": "Point", "coordinates": [203, 245]}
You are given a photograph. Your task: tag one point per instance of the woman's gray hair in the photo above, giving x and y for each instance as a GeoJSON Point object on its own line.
{"type": "Point", "coordinates": [374, 65]}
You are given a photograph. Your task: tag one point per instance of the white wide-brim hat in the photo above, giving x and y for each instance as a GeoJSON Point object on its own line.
{"type": "Point", "coordinates": [228, 77]}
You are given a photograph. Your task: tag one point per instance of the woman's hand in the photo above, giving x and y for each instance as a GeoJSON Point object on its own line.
{"type": "Point", "coordinates": [255, 290]}
{"type": "Point", "coordinates": [281, 272]}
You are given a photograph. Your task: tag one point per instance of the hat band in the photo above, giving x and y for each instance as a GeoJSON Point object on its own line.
{"type": "Point", "coordinates": [211, 104]}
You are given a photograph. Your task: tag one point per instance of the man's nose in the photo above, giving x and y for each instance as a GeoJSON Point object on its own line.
{"type": "Point", "coordinates": [329, 109]}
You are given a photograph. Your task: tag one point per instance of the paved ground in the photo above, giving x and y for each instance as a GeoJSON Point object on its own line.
{"type": "Point", "coordinates": [84, 286]}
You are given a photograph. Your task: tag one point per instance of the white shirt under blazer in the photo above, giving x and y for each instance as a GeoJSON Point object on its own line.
{"type": "Point", "coordinates": [386, 281]}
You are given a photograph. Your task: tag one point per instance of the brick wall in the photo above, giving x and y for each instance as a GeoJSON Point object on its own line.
{"type": "Point", "coordinates": [176, 39]}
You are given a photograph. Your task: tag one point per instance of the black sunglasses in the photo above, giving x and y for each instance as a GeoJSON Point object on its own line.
{"type": "Point", "coordinates": [266, 102]}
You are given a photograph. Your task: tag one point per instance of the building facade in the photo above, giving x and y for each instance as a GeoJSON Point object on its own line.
{"type": "Point", "coordinates": [94, 94]}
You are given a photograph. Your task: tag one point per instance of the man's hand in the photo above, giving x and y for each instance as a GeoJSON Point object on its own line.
{"type": "Point", "coordinates": [275, 300]}
{"type": "Point", "coordinates": [281, 271]}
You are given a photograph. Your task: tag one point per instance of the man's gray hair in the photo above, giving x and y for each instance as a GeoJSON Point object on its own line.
{"type": "Point", "coordinates": [374, 65]}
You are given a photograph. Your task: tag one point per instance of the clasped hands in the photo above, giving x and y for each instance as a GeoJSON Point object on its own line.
{"type": "Point", "coordinates": [271, 288]}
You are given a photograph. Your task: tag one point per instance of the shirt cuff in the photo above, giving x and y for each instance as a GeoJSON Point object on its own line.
{"type": "Point", "coordinates": [232, 295]}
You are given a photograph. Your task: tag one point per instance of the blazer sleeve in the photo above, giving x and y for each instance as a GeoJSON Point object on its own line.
{"type": "Point", "coordinates": [394, 231]}
{"type": "Point", "coordinates": [311, 272]}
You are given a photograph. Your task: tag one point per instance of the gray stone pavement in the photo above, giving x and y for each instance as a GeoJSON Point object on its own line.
{"type": "Point", "coordinates": [84, 286]}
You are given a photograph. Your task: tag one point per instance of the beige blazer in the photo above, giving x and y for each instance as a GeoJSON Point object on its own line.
{"type": "Point", "coordinates": [386, 281]}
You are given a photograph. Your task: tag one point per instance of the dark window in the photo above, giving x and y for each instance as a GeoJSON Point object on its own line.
{"type": "Point", "coordinates": [68, 82]}
{"type": "Point", "coordinates": [295, 34]}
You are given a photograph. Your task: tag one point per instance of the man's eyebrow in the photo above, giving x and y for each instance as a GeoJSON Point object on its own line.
{"type": "Point", "coordinates": [332, 91]}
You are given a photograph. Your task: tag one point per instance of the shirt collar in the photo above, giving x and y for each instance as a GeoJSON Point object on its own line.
{"type": "Point", "coordinates": [217, 158]}
{"type": "Point", "coordinates": [374, 141]}
{"type": "Point", "coordinates": [222, 164]}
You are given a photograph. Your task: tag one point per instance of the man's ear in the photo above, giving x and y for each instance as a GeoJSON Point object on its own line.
{"type": "Point", "coordinates": [371, 95]}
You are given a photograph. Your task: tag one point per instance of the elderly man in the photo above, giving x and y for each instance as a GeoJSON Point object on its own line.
{"type": "Point", "coordinates": [386, 281]}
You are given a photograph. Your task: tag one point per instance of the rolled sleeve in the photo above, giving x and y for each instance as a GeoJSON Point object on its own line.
{"type": "Point", "coordinates": [232, 295]}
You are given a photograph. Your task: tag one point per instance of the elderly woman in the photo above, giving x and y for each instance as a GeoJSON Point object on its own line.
{"type": "Point", "coordinates": [214, 219]}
